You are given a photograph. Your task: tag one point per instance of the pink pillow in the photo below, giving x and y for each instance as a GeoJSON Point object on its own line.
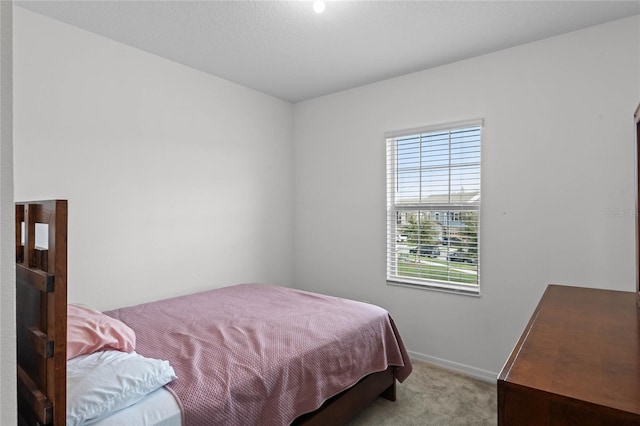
{"type": "Point", "coordinates": [90, 331]}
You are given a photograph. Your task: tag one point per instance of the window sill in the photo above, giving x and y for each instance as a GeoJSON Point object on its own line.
{"type": "Point", "coordinates": [443, 288]}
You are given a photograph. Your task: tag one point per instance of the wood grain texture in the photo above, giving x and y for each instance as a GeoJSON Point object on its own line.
{"type": "Point", "coordinates": [577, 362]}
{"type": "Point", "coordinates": [41, 313]}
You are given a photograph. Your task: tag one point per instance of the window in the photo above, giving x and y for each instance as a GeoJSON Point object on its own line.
{"type": "Point", "coordinates": [433, 199]}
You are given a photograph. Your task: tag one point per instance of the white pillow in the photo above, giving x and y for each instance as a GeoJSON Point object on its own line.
{"type": "Point", "coordinates": [103, 382]}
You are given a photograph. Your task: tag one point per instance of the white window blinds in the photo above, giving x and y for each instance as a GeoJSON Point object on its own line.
{"type": "Point", "coordinates": [433, 207]}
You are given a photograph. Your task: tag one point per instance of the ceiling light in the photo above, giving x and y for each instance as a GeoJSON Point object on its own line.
{"type": "Point", "coordinates": [318, 6]}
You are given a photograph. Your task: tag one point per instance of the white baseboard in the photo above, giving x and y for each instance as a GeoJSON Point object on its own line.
{"type": "Point", "coordinates": [476, 373]}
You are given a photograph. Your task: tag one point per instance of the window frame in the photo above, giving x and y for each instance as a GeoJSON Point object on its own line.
{"type": "Point", "coordinates": [394, 209]}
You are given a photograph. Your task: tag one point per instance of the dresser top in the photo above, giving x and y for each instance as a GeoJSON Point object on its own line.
{"type": "Point", "coordinates": [582, 344]}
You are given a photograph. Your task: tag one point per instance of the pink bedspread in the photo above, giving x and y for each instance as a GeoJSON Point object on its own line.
{"type": "Point", "coordinates": [263, 355]}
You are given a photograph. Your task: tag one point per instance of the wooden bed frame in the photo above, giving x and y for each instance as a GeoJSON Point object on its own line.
{"type": "Point", "coordinates": [344, 406]}
{"type": "Point", "coordinates": [41, 317]}
{"type": "Point", "coordinates": [41, 313]}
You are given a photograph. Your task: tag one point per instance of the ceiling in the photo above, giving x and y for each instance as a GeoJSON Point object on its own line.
{"type": "Point", "coordinates": [285, 49]}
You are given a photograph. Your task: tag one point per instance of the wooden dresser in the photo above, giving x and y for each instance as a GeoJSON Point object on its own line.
{"type": "Point", "coordinates": [577, 362]}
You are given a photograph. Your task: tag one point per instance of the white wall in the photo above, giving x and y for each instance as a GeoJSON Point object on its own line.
{"type": "Point", "coordinates": [558, 200]}
{"type": "Point", "coordinates": [7, 211]}
{"type": "Point", "coordinates": [177, 181]}
{"type": "Point", "coordinates": [184, 181]}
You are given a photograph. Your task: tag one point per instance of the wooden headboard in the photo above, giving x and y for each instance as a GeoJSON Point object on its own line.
{"type": "Point", "coordinates": [41, 313]}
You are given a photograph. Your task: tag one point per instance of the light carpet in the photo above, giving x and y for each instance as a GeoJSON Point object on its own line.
{"type": "Point", "coordinates": [433, 395]}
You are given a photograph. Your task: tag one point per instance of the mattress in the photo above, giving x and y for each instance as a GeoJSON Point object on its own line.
{"type": "Point", "coordinates": [159, 408]}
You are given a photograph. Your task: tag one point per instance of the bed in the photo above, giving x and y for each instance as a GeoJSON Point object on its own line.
{"type": "Point", "coordinates": [243, 354]}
